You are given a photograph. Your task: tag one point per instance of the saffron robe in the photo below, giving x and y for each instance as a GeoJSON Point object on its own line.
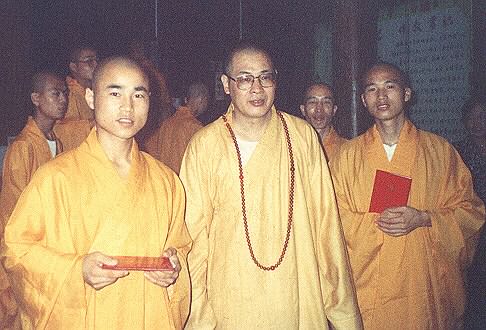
{"type": "Point", "coordinates": [312, 284]}
{"type": "Point", "coordinates": [331, 143]}
{"type": "Point", "coordinates": [24, 156]}
{"type": "Point", "coordinates": [77, 106]}
{"type": "Point", "coordinates": [72, 133]}
{"type": "Point", "coordinates": [160, 100]}
{"type": "Point", "coordinates": [78, 204]}
{"type": "Point", "coordinates": [413, 281]}
{"type": "Point", "coordinates": [170, 141]}
{"type": "Point", "coordinates": [28, 151]}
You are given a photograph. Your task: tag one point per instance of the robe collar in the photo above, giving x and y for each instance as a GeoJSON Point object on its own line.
{"type": "Point", "coordinates": [266, 150]}
{"type": "Point", "coordinates": [405, 152]}
{"type": "Point", "coordinates": [92, 146]}
{"type": "Point", "coordinates": [34, 130]}
{"type": "Point", "coordinates": [331, 137]}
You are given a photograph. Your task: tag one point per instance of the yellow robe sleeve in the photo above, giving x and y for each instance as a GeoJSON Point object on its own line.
{"type": "Point", "coordinates": [198, 219]}
{"type": "Point", "coordinates": [39, 275]}
{"type": "Point", "coordinates": [336, 281]}
{"type": "Point", "coordinates": [457, 220]}
{"type": "Point", "coordinates": [178, 238]}
{"type": "Point", "coordinates": [15, 176]}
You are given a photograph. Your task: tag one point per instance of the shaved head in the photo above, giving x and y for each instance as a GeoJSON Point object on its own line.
{"type": "Point", "coordinates": [39, 80]}
{"type": "Point", "coordinates": [316, 86]}
{"type": "Point", "coordinates": [76, 52]}
{"type": "Point", "coordinates": [196, 90]}
{"type": "Point", "coordinates": [401, 75]}
{"type": "Point", "coordinates": [110, 62]}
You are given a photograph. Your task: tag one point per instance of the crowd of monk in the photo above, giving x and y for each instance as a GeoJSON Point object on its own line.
{"type": "Point", "coordinates": [265, 217]}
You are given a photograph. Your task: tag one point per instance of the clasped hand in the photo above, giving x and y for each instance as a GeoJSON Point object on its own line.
{"type": "Point", "coordinates": [399, 221]}
{"type": "Point", "coordinates": [98, 278]}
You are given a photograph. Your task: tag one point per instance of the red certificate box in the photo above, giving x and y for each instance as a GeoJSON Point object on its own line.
{"type": "Point", "coordinates": [141, 263]}
{"type": "Point", "coordinates": [389, 190]}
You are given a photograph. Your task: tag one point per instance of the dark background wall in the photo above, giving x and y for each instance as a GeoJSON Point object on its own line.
{"type": "Point", "coordinates": [191, 34]}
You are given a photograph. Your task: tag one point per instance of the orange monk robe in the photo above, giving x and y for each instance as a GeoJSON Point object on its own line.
{"type": "Point", "coordinates": [331, 143]}
{"type": "Point", "coordinates": [28, 151]}
{"type": "Point", "coordinates": [169, 142]}
{"type": "Point", "coordinates": [72, 133]}
{"type": "Point", "coordinates": [160, 101]}
{"type": "Point", "coordinates": [77, 106]}
{"type": "Point", "coordinates": [312, 284]}
{"type": "Point", "coordinates": [413, 281]}
{"type": "Point", "coordinates": [78, 204]}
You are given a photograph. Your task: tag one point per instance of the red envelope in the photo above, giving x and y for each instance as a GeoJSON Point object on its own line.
{"type": "Point", "coordinates": [141, 263]}
{"type": "Point", "coordinates": [389, 190]}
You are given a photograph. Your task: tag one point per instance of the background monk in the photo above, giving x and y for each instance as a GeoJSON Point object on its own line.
{"type": "Point", "coordinates": [35, 145]}
{"type": "Point", "coordinates": [82, 63]}
{"type": "Point", "coordinates": [79, 119]}
{"type": "Point", "coordinates": [170, 141]}
{"type": "Point", "coordinates": [407, 261]}
{"type": "Point", "coordinates": [318, 109]}
{"type": "Point", "coordinates": [268, 248]}
{"type": "Point", "coordinates": [103, 199]}
{"type": "Point", "coordinates": [160, 101]}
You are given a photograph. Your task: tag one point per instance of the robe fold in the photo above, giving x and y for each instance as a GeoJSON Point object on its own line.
{"type": "Point", "coordinates": [77, 106]}
{"type": "Point", "coordinates": [413, 281]}
{"type": "Point", "coordinates": [24, 156]}
{"type": "Point", "coordinates": [78, 204]}
{"type": "Point", "coordinates": [72, 133]}
{"type": "Point", "coordinates": [169, 142]}
{"type": "Point", "coordinates": [312, 284]}
{"type": "Point", "coordinates": [331, 143]}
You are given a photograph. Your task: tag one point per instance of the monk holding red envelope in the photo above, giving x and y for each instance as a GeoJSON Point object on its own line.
{"type": "Point", "coordinates": [90, 208]}
{"type": "Point", "coordinates": [407, 257]}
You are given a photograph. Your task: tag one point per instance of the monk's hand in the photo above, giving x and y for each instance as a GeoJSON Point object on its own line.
{"type": "Point", "coordinates": [166, 278]}
{"type": "Point", "coordinates": [96, 276]}
{"type": "Point", "coordinates": [399, 221]}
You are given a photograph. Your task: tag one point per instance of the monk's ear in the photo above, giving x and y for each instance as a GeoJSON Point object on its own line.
{"type": "Point", "coordinates": [363, 100]}
{"type": "Point", "coordinates": [334, 109]}
{"type": "Point", "coordinates": [34, 97]}
{"type": "Point", "coordinates": [408, 94]}
{"type": "Point", "coordinates": [89, 97]}
{"type": "Point", "coordinates": [73, 67]}
{"type": "Point", "coordinates": [302, 109]}
{"type": "Point", "coordinates": [225, 81]}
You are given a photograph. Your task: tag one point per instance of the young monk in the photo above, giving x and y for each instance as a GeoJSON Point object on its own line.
{"type": "Point", "coordinates": [34, 145]}
{"type": "Point", "coordinates": [170, 140]}
{"type": "Point", "coordinates": [73, 129]}
{"type": "Point", "coordinates": [101, 200]}
{"type": "Point", "coordinates": [318, 108]}
{"type": "Point", "coordinates": [407, 260]}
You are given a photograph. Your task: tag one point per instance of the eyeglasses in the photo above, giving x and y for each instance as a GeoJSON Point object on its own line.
{"type": "Point", "coordinates": [89, 60]}
{"type": "Point", "coordinates": [245, 81]}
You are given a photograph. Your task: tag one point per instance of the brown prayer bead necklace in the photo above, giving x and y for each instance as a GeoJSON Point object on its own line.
{"type": "Point", "coordinates": [242, 189]}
